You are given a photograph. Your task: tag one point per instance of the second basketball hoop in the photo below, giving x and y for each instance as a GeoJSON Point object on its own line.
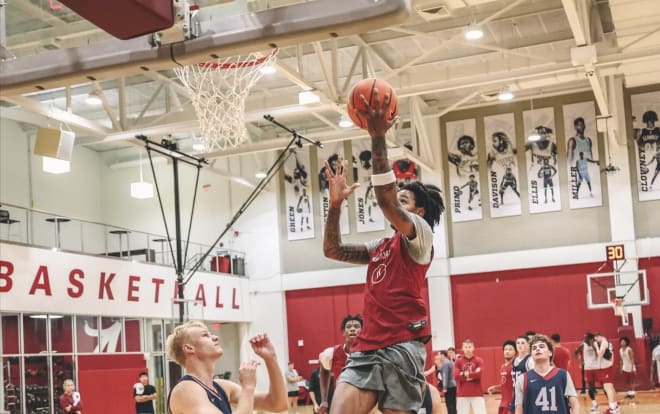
{"type": "Point", "coordinates": [619, 305]}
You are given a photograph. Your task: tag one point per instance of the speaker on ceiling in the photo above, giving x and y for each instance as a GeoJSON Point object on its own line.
{"type": "Point", "coordinates": [54, 143]}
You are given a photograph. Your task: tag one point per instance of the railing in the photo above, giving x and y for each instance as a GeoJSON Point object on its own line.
{"type": "Point", "coordinates": [43, 229]}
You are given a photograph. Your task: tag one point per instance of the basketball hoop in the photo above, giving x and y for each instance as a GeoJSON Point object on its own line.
{"type": "Point", "coordinates": [619, 310]}
{"type": "Point", "coordinates": [218, 91]}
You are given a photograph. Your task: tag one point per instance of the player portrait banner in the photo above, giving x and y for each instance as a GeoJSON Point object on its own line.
{"type": "Point", "coordinates": [330, 152]}
{"type": "Point", "coordinates": [502, 163]}
{"type": "Point", "coordinates": [541, 159]}
{"type": "Point", "coordinates": [463, 170]}
{"type": "Point", "coordinates": [369, 215]}
{"type": "Point", "coordinates": [646, 134]}
{"type": "Point", "coordinates": [297, 190]}
{"type": "Point", "coordinates": [582, 160]}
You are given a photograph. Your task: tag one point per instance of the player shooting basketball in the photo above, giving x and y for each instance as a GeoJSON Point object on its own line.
{"type": "Point", "coordinates": [387, 363]}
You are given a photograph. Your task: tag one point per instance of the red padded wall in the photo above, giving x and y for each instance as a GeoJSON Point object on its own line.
{"type": "Point", "coordinates": [652, 267]}
{"type": "Point", "coordinates": [315, 315]}
{"type": "Point", "coordinates": [106, 382]}
{"type": "Point", "coordinates": [491, 307]}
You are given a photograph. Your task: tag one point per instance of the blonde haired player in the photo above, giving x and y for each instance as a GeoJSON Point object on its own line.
{"type": "Point", "coordinates": [194, 348]}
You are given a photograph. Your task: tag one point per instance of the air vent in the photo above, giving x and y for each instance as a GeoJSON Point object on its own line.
{"type": "Point", "coordinates": [432, 10]}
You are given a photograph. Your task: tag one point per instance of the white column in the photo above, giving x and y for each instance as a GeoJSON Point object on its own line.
{"type": "Point", "coordinates": [268, 310]}
{"type": "Point", "coordinates": [620, 188]}
{"type": "Point", "coordinates": [438, 276]}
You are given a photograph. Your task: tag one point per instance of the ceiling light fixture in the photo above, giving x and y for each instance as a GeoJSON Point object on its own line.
{"type": "Point", "coordinates": [308, 98]}
{"type": "Point", "coordinates": [55, 166]}
{"type": "Point", "coordinates": [260, 174]}
{"type": "Point", "coordinates": [93, 98]}
{"type": "Point", "coordinates": [474, 32]}
{"type": "Point", "coordinates": [42, 316]}
{"type": "Point", "coordinates": [505, 94]}
{"type": "Point", "coordinates": [141, 189]}
{"type": "Point", "coordinates": [345, 122]}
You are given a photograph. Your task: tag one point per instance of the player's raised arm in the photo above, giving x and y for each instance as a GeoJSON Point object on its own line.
{"type": "Point", "coordinates": [383, 178]}
{"type": "Point", "coordinates": [338, 191]}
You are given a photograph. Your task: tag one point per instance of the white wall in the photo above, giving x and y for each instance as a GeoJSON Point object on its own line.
{"type": "Point", "coordinates": [23, 183]}
{"type": "Point", "coordinates": [13, 163]}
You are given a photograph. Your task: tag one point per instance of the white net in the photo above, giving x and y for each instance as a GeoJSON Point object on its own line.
{"type": "Point", "coordinates": [218, 91]}
{"type": "Point", "coordinates": [620, 310]}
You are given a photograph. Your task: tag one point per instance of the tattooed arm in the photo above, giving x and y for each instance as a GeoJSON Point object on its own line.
{"type": "Point", "coordinates": [387, 195]}
{"type": "Point", "coordinates": [338, 191]}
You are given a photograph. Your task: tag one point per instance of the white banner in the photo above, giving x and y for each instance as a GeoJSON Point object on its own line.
{"type": "Point", "coordinates": [541, 157]}
{"type": "Point", "coordinates": [645, 110]}
{"type": "Point", "coordinates": [503, 174]}
{"type": "Point", "coordinates": [331, 152]}
{"type": "Point", "coordinates": [45, 281]}
{"type": "Point", "coordinates": [298, 196]}
{"type": "Point", "coordinates": [581, 139]}
{"type": "Point", "coordinates": [369, 215]}
{"type": "Point", "coordinates": [464, 170]}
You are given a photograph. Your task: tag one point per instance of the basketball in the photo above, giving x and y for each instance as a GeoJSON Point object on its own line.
{"type": "Point", "coordinates": [365, 87]}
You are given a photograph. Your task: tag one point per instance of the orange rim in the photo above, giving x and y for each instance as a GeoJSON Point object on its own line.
{"type": "Point", "coordinates": [238, 65]}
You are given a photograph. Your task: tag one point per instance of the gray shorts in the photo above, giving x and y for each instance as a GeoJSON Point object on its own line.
{"type": "Point", "coordinates": [396, 373]}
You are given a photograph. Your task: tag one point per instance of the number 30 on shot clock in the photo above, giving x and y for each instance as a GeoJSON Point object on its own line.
{"type": "Point", "coordinates": [615, 252]}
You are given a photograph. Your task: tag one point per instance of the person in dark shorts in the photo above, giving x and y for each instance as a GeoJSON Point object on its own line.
{"type": "Point", "coordinates": [386, 367]}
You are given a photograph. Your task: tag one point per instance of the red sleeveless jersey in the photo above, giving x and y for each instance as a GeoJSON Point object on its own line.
{"type": "Point", "coordinates": [394, 310]}
{"type": "Point", "coordinates": [507, 385]}
{"type": "Point", "coordinates": [339, 359]}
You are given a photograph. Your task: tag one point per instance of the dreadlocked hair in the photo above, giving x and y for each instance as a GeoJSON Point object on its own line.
{"type": "Point", "coordinates": [429, 197]}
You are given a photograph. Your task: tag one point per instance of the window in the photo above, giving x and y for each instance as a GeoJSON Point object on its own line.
{"type": "Point", "coordinates": [34, 334]}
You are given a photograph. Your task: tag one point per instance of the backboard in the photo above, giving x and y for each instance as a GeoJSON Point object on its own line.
{"type": "Point", "coordinates": [604, 288]}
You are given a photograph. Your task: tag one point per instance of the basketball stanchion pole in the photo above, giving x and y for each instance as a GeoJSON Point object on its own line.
{"type": "Point", "coordinates": [297, 139]}
{"type": "Point", "coordinates": [169, 149]}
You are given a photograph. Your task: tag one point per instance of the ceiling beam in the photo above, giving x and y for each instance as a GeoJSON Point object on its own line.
{"type": "Point", "coordinates": [444, 43]}
{"type": "Point", "coordinates": [40, 13]}
{"type": "Point", "coordinates": [73, 121]}
{"type": "Point", "coordinates": [577, 13]}
{"type": "Point", "coordinates": [327, 72]}
{"type": "Point", "coordinates": [107, 106]}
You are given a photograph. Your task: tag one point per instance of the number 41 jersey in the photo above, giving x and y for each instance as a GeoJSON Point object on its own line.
{"type": "Point", "coordinates": [547, 394]}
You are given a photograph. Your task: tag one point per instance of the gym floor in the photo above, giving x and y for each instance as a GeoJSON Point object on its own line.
{"type": "Point", "coordinates": [646, 402]}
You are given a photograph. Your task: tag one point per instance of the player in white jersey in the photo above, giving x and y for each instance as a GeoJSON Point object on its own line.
{"type": "Point", "coordinates": [627, 365]}
{"type": "Point", "coordinates": [605, 371]}
{"type": "Point", "coordinates": [655, 361]}
{"type": "Point", "coordinates": [589, 359]}
{"type": "Point", "coordinates": [579, 143]}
